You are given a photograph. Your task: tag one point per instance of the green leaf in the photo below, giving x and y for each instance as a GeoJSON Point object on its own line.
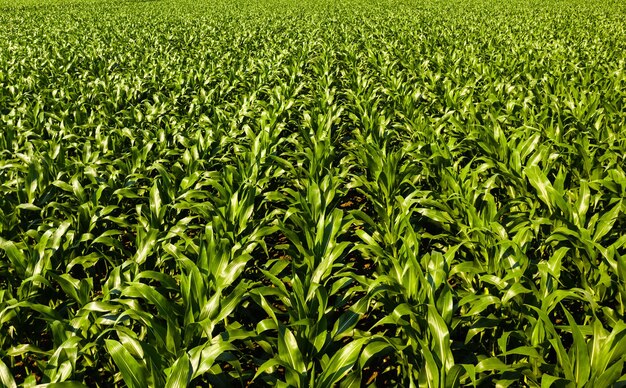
{"type": "Point", "coordinates": [373, 349]}
{"type": "Point", "coordinates": [548, 380]}
{"type": "Point", "coordinates": [180, 375]}
{"type": "Point", "coordinates": [15, 255]}
{"type": "Point", "coordinates": [441, 337]}
{"type": "Point", "coordinates": [6, 377]}
{"type": "Point", "coordinates": [341, 363]}
{"type": "Point", "coordinates": [606, 222]}
{"type": "Point", "coordinates": [203, 357]}
{"type": "Point", "coordinates": [289, 350]}
{"type": "Point", "coordinates": [145, 247]}
{"type": "Point", "coordinates": [545, 191]}
{"type": "Point", "coordinates": [492, 364]}
{"type": "Point", "coordinates": [453, 377]}
{"type": "Point", "coordinates": [345, 322]}
{"type": "Point", "coordinates": [133, 373]}
{"type": "Point", "coordinates": [582, 363]}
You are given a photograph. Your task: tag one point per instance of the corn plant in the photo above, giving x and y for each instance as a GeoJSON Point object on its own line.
{"type": "Point", "coordinates": [329, 193]}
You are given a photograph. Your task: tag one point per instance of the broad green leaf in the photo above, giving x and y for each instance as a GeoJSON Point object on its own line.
{"type": "Point", "coordinates": [133, 373]}
{"type": "Point", "coordinates": [582, 363]}
{"type": "Point", "coordinates": [341, 363]}
{"type": "Point", "coordinates": [289, 350]}
{"type": "Point", "coordinates": [6, 377]}
{"type": "Point", "coordinates": [606, 222]}
{"type": "Point", "coordinates": [180, 374]}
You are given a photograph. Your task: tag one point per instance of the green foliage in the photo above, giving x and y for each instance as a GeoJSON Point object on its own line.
{"type": "Point", "coordinates": [321, 193]}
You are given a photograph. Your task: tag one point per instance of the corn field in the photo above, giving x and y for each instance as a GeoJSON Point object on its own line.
{"type": "Point", "coordinates": [347, 193]}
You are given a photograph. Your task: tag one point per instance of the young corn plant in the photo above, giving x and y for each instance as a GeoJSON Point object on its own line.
{"type": "Point", "coordinates": [355, 193]}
